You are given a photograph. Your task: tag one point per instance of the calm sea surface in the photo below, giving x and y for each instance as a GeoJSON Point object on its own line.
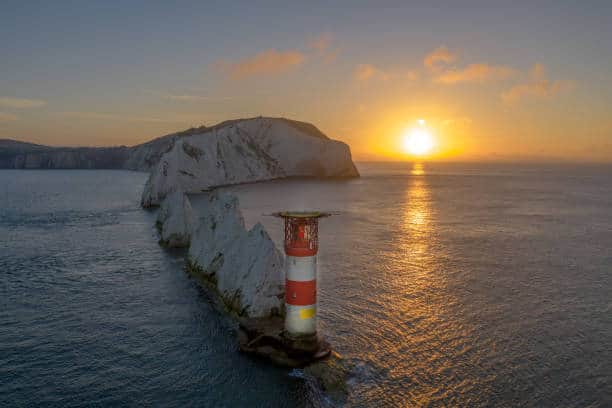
{"type": "Point", "coordinates": [443, 285]}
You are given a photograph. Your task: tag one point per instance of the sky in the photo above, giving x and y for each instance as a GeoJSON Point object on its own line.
{"type": "Point", "coordinates": [492, 80]}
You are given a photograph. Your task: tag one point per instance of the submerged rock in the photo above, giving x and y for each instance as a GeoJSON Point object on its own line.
{"type": "Point", "coordinates": [174, 220]}
{"type": "Point", "coordinates": [244, 267]}
{"type": "Point", "coordinates": [243, 151]}
{"type": "Point", "coordinates": [332, 375]}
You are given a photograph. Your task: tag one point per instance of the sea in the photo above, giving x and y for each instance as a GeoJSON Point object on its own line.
{"type": "Point", "coordinates": [440, 284]}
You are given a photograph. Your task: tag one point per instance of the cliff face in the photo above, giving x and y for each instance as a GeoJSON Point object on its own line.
{"type": "Point", "coordinates": [65, 158]}
{"type": "Point", "coordinates": [174, 220]}
{"type": "Point", "coordinates": [20, 155]}
{"type": "Point", "coordinates": [144, 157]}
{"type": "Point", "coordinates": [246, 151]}
{"type": "Point", "coordinates": [232, 152]}
{"type": "Point", "coordinates": [244, 266]}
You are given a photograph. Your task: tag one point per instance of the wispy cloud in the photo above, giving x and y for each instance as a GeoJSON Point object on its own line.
{"type": "Point", "coordinates": [363, 72]}
{"type": "Point", "coordinates": [475, 73]}
{"type": "Point", "coordinates": [439, 57]}
{"type": "Point", "coordinates": [322, 46]}
{"type": "Point", "coordinates": [7, 117]}
{"type": "Point", "coordinates": [273, 62]}
{"type": "Point", "coordinates": [538, 86]}
{"type": "Point", "coordinates": [115, 117]}
{"type": "Point", "coordinates": [187, 98]}
{"type": "Point", "coordinates": [321, 43]}
{"type": "Point", "coordinates": [366, 72]}
{"type": "Point", "coordinates": [438, 61]}
{"type": "Point", "coordinates": [195, 98]}
{"type": "Point", "coordinates": [269, 62]}
{"type": "Point", "coordinates": [19, 103]}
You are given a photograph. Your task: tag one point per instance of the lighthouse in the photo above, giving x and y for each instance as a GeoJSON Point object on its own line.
{"type": "Point", "coordinates": [301, 246]}
{"type": "Point", "coordinates": [292, 340]}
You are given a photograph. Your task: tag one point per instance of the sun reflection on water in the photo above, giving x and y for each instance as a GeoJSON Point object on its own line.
{"type": "Point", "coordinates": [413, 297]}
{"type": "Point", "coordinates": [417, 212]}
{"type": "Point", "coordinates": [418, 169]}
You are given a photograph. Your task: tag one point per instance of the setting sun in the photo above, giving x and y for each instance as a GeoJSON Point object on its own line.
{"type": "Point", "coordinates": [418, 141]}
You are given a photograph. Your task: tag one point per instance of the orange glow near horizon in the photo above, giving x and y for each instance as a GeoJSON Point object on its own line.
{"type": "Point", "coordinates": [403, 131]}
{"type": "Point", "coordinates": [418, 141]}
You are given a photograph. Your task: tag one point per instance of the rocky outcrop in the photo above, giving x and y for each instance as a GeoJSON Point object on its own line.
{"type": "Point", "coordinates": [145, 156]}
{"type": "Point", "coordinates": [175, 220]}
{"type": "Point", "coordinates": [244, 267]}
{"type": "Point", "coordinates": [246, 270]}
{"type": "Point", "coordinates": [267, 338]}
{"type": "Point", "coordinates": [247, 151]}
{"type": "Point", "coordinates": [332, 376]}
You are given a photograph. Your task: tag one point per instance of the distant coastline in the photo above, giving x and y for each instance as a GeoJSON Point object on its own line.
{"type": "Point", "coordinates": [15, 154]}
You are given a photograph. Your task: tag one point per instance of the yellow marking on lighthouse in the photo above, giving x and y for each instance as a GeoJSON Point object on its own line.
{"type": "Point", "coordinates": [307, 313]}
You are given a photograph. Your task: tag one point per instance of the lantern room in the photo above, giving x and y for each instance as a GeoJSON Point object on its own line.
{"type": "Point", "coordinates": [301, 232]}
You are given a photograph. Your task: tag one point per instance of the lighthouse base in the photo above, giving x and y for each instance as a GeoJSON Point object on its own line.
{"type": "Point", "coordinates": [266, 337]}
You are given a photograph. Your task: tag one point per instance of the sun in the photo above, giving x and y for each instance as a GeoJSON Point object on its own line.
{"type": "Point", "coordinates": [418, 141]}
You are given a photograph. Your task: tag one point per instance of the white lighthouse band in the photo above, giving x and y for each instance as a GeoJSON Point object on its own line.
{"type": "Point", "coordinates": [300, 294]}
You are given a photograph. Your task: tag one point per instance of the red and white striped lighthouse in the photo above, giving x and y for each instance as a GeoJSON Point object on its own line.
{"type": "Point", "coordinates": [301, 246]}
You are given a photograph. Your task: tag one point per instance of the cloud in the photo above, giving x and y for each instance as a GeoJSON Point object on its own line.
{"type": "Point", "coordinates": [438, 60]}
{"type": "Point", "coordinates": [189, 97]}
{"type": "Point", "coordinates": [180, 118]}
{"type": "Point", "coordinates": [321, 43]}
{"type": "Point", "coordinates": [269, 62]}
{"type": "Point", "coordinates": [195, 98]}
{"type": "Point", "coordinates": [7, 117]}
{"type": "Point", "coordinates": [537, 72]}
{"type": "Point", "coordinates": [114, 117]}
{"type": "Point", "coordinates": [538, 87]}
{"type": "Point", "coordinates": [475, 73]}
{"type": "Point", "coordinates": [322, 47]}
{"type": "Point", "coordinates": [17, 103]}
{"type": "Point", "coordinates": [186, 98]}
{"type": "Point", "coordinates": [274, 62]}
{"type": "Point", "coordinates": [366, 72]}
{"type": "Point", "coordinates": [411, 76]}
{"type": "Point", "coordinates": [363, 72]}
{"type": "Point", "coordinates": [438, 57]}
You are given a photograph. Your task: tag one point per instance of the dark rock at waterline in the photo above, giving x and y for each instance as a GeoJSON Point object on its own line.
{"type": "Point", "coordinates": [267, 338]}
{"type": "Point", "coordinates": [332, 375]}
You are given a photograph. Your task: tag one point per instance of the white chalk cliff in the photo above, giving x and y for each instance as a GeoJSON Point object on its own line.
{"type": "Point", "coordinates": [245, 266]}
{"type": "Point", "coordinates": [175, 220]}
{"type": "Point", "coordinates": [15, 154]}
{"type": "Point", "coordinates": [247, 150]}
